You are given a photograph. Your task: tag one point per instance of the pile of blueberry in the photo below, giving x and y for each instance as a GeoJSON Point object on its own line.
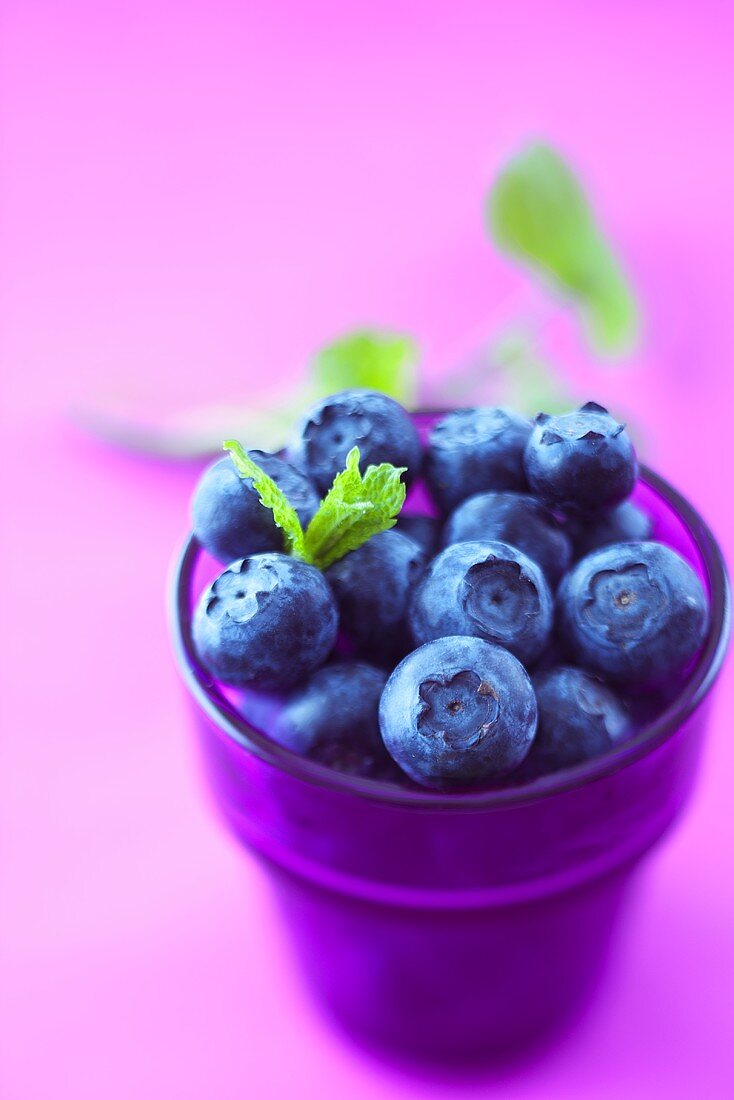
{"type": "Point", "coordinates": [497, 640]}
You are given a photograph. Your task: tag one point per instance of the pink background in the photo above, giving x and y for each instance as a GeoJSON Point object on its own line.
{"type": "Point", "coordinates": [194, 196]}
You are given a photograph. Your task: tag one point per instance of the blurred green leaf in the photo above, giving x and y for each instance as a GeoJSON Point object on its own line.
{"type": "Point", "coordinates": [370, 359]}
{"type": "Point", "coordinates": [538, 213]}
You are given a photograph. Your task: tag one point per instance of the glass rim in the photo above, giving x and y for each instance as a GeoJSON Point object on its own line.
{"type": "Point", "coordinates": [207, 696]}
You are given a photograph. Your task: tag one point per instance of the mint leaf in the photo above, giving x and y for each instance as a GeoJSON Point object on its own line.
{"type": "Point", "coordinates": [355, 508]}
{"type": "Point", "coordinates": [271, 497]}
{"type": "Point", "coordinates": [369, 359]}
{"type": "Point", "coordinates": [383, 486]}
{"type": "Point", "coordinates": [538, 213]}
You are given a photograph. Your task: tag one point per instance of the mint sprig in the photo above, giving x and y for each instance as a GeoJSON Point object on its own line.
{"type": "Point", "coordinates": [356, 507]}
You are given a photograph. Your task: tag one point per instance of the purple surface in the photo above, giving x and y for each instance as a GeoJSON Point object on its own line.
{"type": "Point", "coordinates": [193, 197]}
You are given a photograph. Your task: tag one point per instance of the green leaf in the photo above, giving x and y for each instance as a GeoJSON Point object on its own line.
{"type": "Point", "coordinates": [271, 497]}
{"type": "Point", "coordinates": [355, 508]}
{"type": "Point", "coordinates": [369, 359]}
{"type": "Point", "coordinates": [610, 313]}
{"type": "Point", "coordinates": [538, 213]}
{"type": "Point", "coordinates": [383, 484]}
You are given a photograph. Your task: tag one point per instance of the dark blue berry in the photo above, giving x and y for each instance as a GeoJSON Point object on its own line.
{"type": "Point", "coordinates": [517, 519]}
{"type": "Point", "coordinates": [332, 719]}
{"type": "Point", "coordinates": [457, 712]}
{"type": "Point", "coordinates": [373, 586]}
{"type": "Point", "coordinates": [582, 462]}
{"type": "Point", "coordinates": [486, 589]}
{"type": "Point", "coordinates": [475, 451]}
{"type": "Point", "coordinates": [425, 530]}
{"type": "Point", "coordinates": [375, 423]}
{"type": "Point", "coordinates": [635, 612]}
{"type": "Point", "coordinates": [625, 523]}
{"type": "Point", "coordinates": [229, 520]}
{"type": "Point", "coordinates": [579, 717]}
{"type": "Point", "coordinates": [268, 620]}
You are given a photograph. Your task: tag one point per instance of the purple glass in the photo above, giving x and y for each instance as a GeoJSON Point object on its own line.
{"type": "Point", "coordinates": [454, 927]}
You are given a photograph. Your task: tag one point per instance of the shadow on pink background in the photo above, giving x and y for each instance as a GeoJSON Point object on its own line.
{"type": "Point", "coordinates": [193, 197]}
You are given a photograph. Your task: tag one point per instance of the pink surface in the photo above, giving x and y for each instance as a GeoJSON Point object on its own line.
{"type": "Point", "coordinates": [193, 197]}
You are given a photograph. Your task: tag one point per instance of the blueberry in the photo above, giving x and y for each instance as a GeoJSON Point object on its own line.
{"type": "Point", "coordinates": [625, 523]}
{"type": "Point", "coordinates": [332, 719]}
{"type": "Point", "coordinates": [582, 462]}
{"type": "Point", "coordinates": [579, 717]}
{"type": "Point", "coordinates": [473, 451]}
{"type": "Point", "coordinates": [517, 519]}
{"type": "Point", "coordinates": [373, 586]}
{"type": "Point", "coordinates": [458, 711]}
{"type": "Point", "coordinates": [267, 620]}
{"type": "Point", "coordinates": [633, 611]}
{"type": "Point", "coordinates": [229, 520]}
{"type": "Point", "coordinates": [486, 589]}
{"type": "Point", "coordinates": [425, 530]}
{"type": "Point", "coordinates": [375, 423]}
